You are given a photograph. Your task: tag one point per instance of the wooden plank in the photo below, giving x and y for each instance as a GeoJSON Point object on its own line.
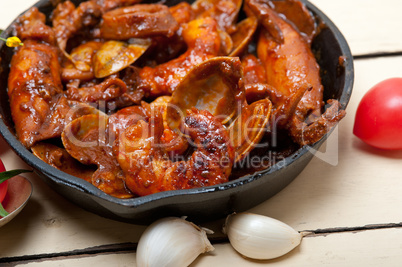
{"type": "Point", "coordinates": [65, 226]}
{"type": "Point", "coordinates": [366, 248]}
{"type": "Point", "coordinates": [355, 192]}
{"type": "Point", "coordinates": [361, 189]}
{"type": "Point", "coordinates": [368, 26]}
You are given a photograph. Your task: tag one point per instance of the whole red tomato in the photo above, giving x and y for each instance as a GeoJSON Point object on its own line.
{"type": "Point", "coordinates": [378, 120]}
{"type": "Point", "coordinates": [3, 185]}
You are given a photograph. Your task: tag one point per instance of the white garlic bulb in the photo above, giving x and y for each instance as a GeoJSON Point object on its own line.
{"type": "Point", "coordinates": [171, 242]}
{"type": "Point", "coordinates": [260, 237]}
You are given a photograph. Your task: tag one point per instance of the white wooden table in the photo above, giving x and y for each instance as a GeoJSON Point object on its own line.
{"type": "Point", "coordinates": [352, 202]}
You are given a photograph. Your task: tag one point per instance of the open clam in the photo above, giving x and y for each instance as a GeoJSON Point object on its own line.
{"type": "Point", "coordinates": [114, 56]}
{"type": "Point", "coordinates": [243, 35]}
{"type": "Point", "coordinates": [216, 85]}
{"type": "Point", "coordinates": [60, 159]}
{"type": "Point", "coordinates": [226, 43]}
{"type": "Point", "coordinates": [80, 58]}
{"type": "Point", "coordinates": [86, 139]}
{"type": "Point", "coordinates": [249, 127]}
{"type": "Point", "coordinates": [83, 138]}
{"type": "Point", "coordinates": [101, 59]}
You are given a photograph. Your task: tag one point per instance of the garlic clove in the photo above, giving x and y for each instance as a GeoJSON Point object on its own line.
{"type": "Point", "coordinates": [171, 242]}
{"type": "Point", "coordinates": [260, 237]}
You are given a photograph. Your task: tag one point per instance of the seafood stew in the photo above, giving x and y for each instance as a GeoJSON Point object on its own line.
{"type": "Point", "coordinates": [134, 116]}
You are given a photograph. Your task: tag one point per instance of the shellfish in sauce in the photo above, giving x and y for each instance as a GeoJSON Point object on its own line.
{"type": "Point", "coordinates": [140, 98]}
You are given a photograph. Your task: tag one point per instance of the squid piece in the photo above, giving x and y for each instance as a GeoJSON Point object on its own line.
{"type": "Point", "coordinates": [173, 143]}
{"type": "Point", "coordinates": [148, 169]}
{"type": "Point", "coordinates": [126, 117]}
{"type": "Point", "coordinates": [293, 71]}
{"type": "Point", "coordinates": [110, 89]}
{"type": "Point", "coordinates": [297, 13]}
{"type": "Point", "coordinates": [257, 88]}
{"type": "Point", "coordinates": [182, 12]}
{"type": "Point", "coordinates": [61, 160]}
{"type": "Point", "coordinates": [86, 140]}
{"type": "Point", "coordinates": [108, 5]}
{"type": "Point", "coordinates": [203, 42]}
{"type": "Point", "coordinates": [254, 71]}
{"type": "Point", "coordinates": [68, 20]}
{"type": "Point", "coordinates": [38, 105]}
{"type": "Point", "coordinates": [225, 12]}
{"type": "Point", "coordinates": [101, 60]}
{"type": "Point", "coordinates": [255, 82]}
{"type": "Point", "coordinates": [31, 26]}
{"type": "Point", "coordinates": [34, 86]}
{"type": "Point", "coordinates": [138, 21]}
{"type": "Point", "coordinates": [165, 48]}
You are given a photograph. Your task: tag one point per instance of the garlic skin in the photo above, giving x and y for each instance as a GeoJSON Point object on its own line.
{"type": "Point", "coordinates": [260, 237]}
{"type": "Point", "coordinates": [171, 242]}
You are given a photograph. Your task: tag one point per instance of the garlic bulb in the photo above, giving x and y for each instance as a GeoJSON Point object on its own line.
{"type": "Point", "coordinates": [171, 242]}
{"type": "Point", "coordinates": [260, 237]}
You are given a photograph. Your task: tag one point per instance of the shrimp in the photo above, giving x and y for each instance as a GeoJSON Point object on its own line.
{"type": "Point", "coordinates": [138, 21]}
{"type": "Point", "coordinates": [293, 71]}
{"type": "Point", "coordinates": [146, 165]}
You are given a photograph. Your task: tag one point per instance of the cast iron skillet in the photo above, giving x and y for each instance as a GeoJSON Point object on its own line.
{"type": "Point", "coordinates": [199, 204]}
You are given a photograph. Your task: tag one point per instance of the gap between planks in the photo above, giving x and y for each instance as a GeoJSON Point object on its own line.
{"type": "Point", "coordinates": [131, 247]}
{"type": "Point", "coordinates": [377, 55]}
